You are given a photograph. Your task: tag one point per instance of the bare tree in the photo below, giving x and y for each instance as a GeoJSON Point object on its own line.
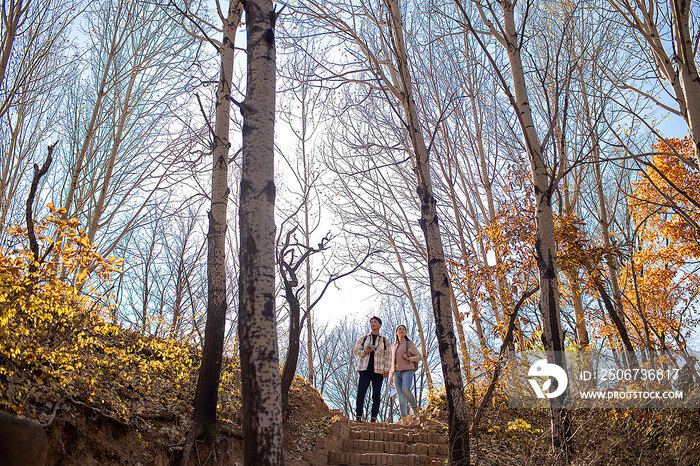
{"type": "Point", "coordinates": [439, 277]}
{"type": "Point", "coordinates": [119, 106]}
{"type": "Point", "coordinates": [183, 255]}
{"type": "Point", "coordinates": [388, 65]}
{"type": "Point", "coordinates": [262, 407]}
{"type": "Point", "coordinates": [290, 257]}
{"type": "Point", "coordinates": [34, 62]}
{"type": "Point", "coordinates": [303, 111]}
{"type": "Point", "coordinates": [660, 25]}
{"type": "Point", "coordinates": [384, 209]}
{"type": "Point", "coordinates": [499, 19]}
{"type": "Point", "coordinates": [206, 394]}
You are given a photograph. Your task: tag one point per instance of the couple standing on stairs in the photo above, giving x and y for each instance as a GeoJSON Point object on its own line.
{"type": "Point", "coordinates": [379, 359]}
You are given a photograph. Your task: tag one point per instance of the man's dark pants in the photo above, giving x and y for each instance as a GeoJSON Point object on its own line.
{"type": "Point", "coordinates": [365, 378]}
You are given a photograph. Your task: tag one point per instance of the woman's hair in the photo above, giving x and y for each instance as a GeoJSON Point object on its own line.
{"type": "Point", "coordinates": [396, 336]}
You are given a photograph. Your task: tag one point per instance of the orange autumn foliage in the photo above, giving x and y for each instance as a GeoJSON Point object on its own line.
{"type": "Point", "coordinates": [511, 236]}
{"type": "Point", "coordinates": [661, 280]}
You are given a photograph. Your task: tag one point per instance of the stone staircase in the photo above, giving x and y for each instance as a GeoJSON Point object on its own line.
{"type": "Point", "coordinates": [358, 443]}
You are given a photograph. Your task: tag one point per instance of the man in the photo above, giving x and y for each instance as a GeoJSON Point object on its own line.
{"type": "Point", "coordinates": [374, 352]}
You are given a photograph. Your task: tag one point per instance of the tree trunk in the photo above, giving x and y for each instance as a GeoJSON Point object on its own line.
{"type": "Point", "coordinates": [680, 69]}
{"type": "Point", "coordinates": [12, 19]}
{"type": "Point", "coordinates": [570, 202]}
{"type": "Point", "coordinates": [461, 338]}
{"type": "Point", "coordinates": [581, 331]}
{"type": "Point", "coordinates": [29, 216]}
{"type": "Point", "coordinates": [458, 419]}
{"type": "Point", "coordinates": [292, 358]}
{"type": "Point", "coordinates": [545, 240]}
{"type": "Point", "coordinates": [206, 394]}
{"type": "Point", "coordinates": [307, 242]}
{"type": "Point", "coordinates": [616, 310]}
{"type": "Point", "coordinates": [617, 320]}
{"type": "Point", "coordinates": [684, 57]}
{"type": "Point", "coordinates": [261, 396]}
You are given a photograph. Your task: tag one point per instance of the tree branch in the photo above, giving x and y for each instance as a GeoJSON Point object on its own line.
{"type": "Point", "coordinates": [33, 244]}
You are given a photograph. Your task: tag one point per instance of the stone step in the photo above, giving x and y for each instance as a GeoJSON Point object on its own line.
{"type": "Point", "coordinates": [342, 458]}
{"type": "Point", "coordinates": [393, 447]}
{"type": "Point", "coordinates": [392, 427]}
{"type": "Point", "coordinates": [404, 436]}
{"type": "Point", "coordinates": [385, 425]}
{"type": "Point", "coordinates": [343, 437]}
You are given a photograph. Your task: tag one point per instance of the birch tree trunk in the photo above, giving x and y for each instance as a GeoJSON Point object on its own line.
{"type": "Point", "coordinates": [544, 184]}
{"type": "Point", "coordinates": [261, 395]}
{"type": "Point", "coordinates": [206, 395]}
{"type": "Point", "coordinates": [684, 56]}
{"type": "Point", "coordinates": [458, 418]}
{"type": "Point", "coordinates": [545, 241]}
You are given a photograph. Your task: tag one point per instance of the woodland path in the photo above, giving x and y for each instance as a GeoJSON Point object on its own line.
{"type": "Point", "coordinates": [384, 444]}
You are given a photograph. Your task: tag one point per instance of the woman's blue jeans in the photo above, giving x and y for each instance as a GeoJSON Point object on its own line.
{"type": "Point", "coordinates": [404, 382]}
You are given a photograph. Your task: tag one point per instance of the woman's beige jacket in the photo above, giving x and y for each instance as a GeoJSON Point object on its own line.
{"type": "Point", "coordinates": [413, 355]}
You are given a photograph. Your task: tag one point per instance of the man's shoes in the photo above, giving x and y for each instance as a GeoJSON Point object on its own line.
{"type": "Point", "coordinates": [358, 418]}
{"type": "Point", "coordinates": [374, 419]}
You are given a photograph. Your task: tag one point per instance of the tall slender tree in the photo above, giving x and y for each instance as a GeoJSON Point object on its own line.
{"type": "Point", "coordinates": [33, 67]}
{"type": "Point", "coordinates": [440, 288]}
{"type": "Point", "coordinates": [261, 395]}
{"type": "Point", "coordinates": [545, 176]}
{"type": "Point", "coordinates": [386, 66]}
{"type": "Point", "coordinates": [206, 394]}
{"type": "Point", "coordinates": [667, 33]}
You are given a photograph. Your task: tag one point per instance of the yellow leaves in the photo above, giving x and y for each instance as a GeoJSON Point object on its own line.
{"type": "Point", "coordinates": [40, 313]}
{"type": "Point", "coordinates": [82, 275]}
{"type": "Point", "coordinates": [54, 211]}
{"type": "Point", "coordinates": [519, 424]}
{"type": "Point", "coordinates": [56, 343]}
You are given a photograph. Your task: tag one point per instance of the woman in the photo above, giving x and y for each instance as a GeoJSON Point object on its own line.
{"type": "Point", "coordinates": [404, 356]}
